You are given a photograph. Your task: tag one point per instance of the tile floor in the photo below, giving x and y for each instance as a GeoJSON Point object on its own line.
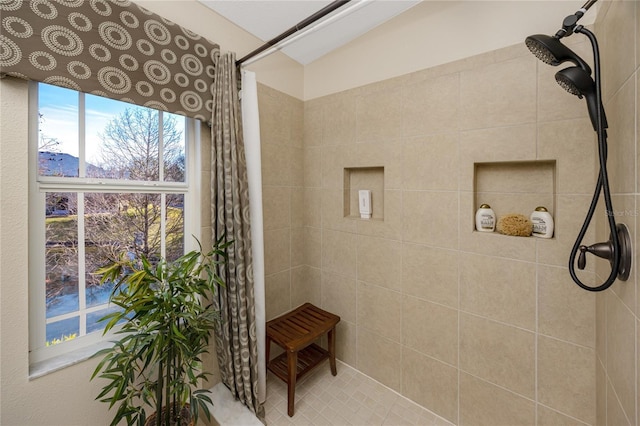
{"type": "Point", "coordinates": [349, 399]}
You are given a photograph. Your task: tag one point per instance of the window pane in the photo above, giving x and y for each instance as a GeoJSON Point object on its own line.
{"type": "Point", "coordinates": [58, 131]}
{"type": "Point", "coordinates": [174, 147]}
{"type": "Point", "coordinates": [61, 253]}
{"type": "Point", "coordinates": [93, 319]}
{"type": "Point", "coordinates": [122, 140]}
{"type": "Point", "coordinates": [60, 331]}
{"type": "Point", "coordinates": [175, 226]}
{"type": "Point", "coordinates": [119, 223]}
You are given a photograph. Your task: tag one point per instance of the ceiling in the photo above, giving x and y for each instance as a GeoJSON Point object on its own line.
{"type": "Point", "coordinates": [267, 19]}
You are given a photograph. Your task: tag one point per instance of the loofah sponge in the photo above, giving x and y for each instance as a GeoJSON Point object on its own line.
{"type": "Point", "coordinates": [515, 224]}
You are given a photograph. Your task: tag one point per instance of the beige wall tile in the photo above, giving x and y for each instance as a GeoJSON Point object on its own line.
{"type": "Point", "coordinates": [525, 177]}
{"type": "Point", "coordinates": [498, 353]}
{"type": "Point", "coordinates": [566, 378]}
{"type": "Point", "coordinates": [621, 359]}
{"type": "Point", "coordinates": [379, 115]}
{"type": "Point", "coordinates": [297, 207]}
{"type": "Point", "coordinates": [339, 252]}
{"type": "Point", "coordinates": [339, 295]}
{"type": "Point", "coordinates": [483, 404]}
{"type": "Point", "coordinates": [334, 161]}
{"type": "Point", "coordinates": [334, 215]}
{"type": "Point", "coordinates": [312, 209]}
{"type": "Point", "coordinates": [601, 326]}
{"type": "Point", "coordinates": [296, 156]}
{"type": "Point", "coordinates": [431, 106]}
{"type": "Point", "coordinates": [390, 226]}
{"type": "Point", "coordinates": [277, 250]}
{"type": "Point", "coordinates": [491, 97]}
{"type": "Point", "coordinates": [386, 154]}
{"type": "Point", "coordinates": [339, 125]}
{"type": "Point", "coordinates": [346, 342]}
{"type": "Point", "coordinates": [500, 289]}
{"type": "Point", "coordinates": [430, 218]}
{"type": "Point", "coordinates": [494, 145]}
{"type": "Point", "coordinates": [430, 329]}
{"type": "Point", "coordinates": [572, 143]}
{"type": "Point", "coordinates": [621, 117]}
{"type": "Point", "coordinates": [312, 168]}
{"type": "Point", "coordinates": [430, 383]}
{"type": "Point", "coordinates": [276, 207]}
{"type": "Point", "coordinates": [275, 117]}
{"type": "Point", "coordinates": [297, 246]}
{"type": "Point", "coordinates": [378, 358]}
{"type": "Point", "coordinates": [297, 122]}
{"type": "Point", "coordinates": [565, 311]}
{"type": "Point", "coordinates": [430, 273]}
{"type": "Point", "coordinates": [277, 294]}
{"type": "Point", "coordinates": [313, 124]}
{"type": "Point", "coordinates": [615, 413]}
{"type": "Point", "coordinates": [306, 286]}
{"type": "Point", "coordinates": [276, 165]}
{"type": "Point", "coordinates": [601, 394]}
{"type": "Point", "coordinates": [312, 248]}
{"type": "Point", "coordinates": [618, 53]}
{"type": "Point", "coordinates": [380, 311]}
{"type": "Point", "coordinates": [549, 417]}
{"type": "Point", "coordinates": [431, 162]}
{"type": "Point", "coordinates": [380, 262]}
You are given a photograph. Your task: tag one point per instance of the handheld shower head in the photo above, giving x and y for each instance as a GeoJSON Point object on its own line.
{"type": "Point", "coordinates": [552, 52]}
{"type": "Point", "coordinates": [576, 81]}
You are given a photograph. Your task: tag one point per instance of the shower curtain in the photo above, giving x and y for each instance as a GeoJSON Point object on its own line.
{"type": "Point", "coordinates": [236, 333]}
{"type": "Point", "coordinates": [251, 131]}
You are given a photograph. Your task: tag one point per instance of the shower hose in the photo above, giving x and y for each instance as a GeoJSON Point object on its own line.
{"type": "Point", "coordinates": [602, 184]}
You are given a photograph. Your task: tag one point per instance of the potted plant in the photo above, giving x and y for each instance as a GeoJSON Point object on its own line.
{"type": "Point", "coordinates": [164, 322]}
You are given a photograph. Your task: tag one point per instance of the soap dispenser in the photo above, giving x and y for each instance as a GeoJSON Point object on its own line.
{"type": "Point", "coordinates": [485, 219]}
{"type": "Point", "coordinates": [364, 203]}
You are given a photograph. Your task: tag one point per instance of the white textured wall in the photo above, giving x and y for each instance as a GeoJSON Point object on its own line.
{"type": "Point", "coordinates": [434, 33]}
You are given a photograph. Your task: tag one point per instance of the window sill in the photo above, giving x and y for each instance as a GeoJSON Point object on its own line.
{"type": "Point", "coordinates": [51, 365]}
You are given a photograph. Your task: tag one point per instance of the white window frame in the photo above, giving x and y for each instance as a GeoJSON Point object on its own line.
{"type": "Point", "coordinates": [39, 185]}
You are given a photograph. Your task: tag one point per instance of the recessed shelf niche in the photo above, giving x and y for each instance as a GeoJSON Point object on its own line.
{"type": "Point", "coordinates": [515, 187]}
{"type": "Point", "coordinates": [357, 178]}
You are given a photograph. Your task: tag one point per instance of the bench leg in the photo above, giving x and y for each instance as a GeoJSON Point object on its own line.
{"type": "Point", "coordinates": [292, 362]}
{"type": "Point", "coordinates": [267, 349]}
{"type": "Point", "coordinates": [332, 351]}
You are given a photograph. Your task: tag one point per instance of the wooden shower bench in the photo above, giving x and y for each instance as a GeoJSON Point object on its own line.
{"type": "Point", "coordinates": [295, 333]}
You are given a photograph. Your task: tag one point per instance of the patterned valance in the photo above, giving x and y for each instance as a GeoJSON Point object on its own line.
{"type": "Point", "coordinates": [111, 48]}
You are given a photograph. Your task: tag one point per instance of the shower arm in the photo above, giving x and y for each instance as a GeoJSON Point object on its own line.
{"type": "Point", "coordinates": [619, 239]}
{"type": "Point", "coordinates": [569, 23]}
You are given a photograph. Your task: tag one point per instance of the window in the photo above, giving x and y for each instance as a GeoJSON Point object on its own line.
{"type": "Point", "coordinates": [108, 178]}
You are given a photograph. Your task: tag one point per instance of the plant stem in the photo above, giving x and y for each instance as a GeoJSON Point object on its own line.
{"type": "Point", "coordinates": [159, 395]}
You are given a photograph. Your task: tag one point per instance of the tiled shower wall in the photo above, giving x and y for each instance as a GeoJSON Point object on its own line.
{"type": "Point", "coordinates": [618, 331]}
{"type": "Point", "coordinates": [479, 328]}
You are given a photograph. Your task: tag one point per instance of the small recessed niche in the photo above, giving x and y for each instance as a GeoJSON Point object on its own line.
{"type": "Point", "coordinates": [515, 187]}
{"type": "Point", "coordinates": [370, 178]}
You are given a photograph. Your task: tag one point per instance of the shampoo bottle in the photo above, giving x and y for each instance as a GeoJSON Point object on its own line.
{"type": "Point", "coordinates": [542, 223]}
{"type": "Point", "coordinates": [485, 219]}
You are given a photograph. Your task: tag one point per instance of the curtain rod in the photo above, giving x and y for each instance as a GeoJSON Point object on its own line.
{"type": "Point", "coordinates": [300, 25]}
